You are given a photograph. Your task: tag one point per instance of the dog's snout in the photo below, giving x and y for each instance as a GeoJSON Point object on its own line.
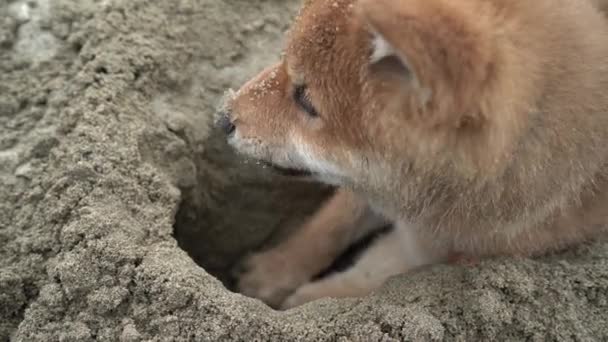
{"type": "Point", "coordinates": [225, 124]}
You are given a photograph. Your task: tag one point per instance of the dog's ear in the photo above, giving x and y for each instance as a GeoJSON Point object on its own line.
{"type": "Point", "coordinates": [438, 48]}
{"type": "Point", "coordinates": [388, 59]}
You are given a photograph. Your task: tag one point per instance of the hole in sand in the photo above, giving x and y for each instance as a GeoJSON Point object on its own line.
{"type": "Point", "coordinates": [229, 207]}
{"type": "Point", "coordinates": [237, 209]}
{"type": "Point", "coordinates": [244, 208]}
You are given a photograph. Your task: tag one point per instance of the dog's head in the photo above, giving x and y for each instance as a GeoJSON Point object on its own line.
{"type": "Point", "coordinates": [374, 85]}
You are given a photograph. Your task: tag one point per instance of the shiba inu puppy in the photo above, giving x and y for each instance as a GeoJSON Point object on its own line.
{"type": "Point", "coordinates": [478, 128]}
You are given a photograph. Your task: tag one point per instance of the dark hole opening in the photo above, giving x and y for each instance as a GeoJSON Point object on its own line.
{"type": "Point", "coordinates": [238, 208]}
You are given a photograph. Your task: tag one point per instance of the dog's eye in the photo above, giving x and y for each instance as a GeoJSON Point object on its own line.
{"type": "Point", "coordinates": [302, 99]}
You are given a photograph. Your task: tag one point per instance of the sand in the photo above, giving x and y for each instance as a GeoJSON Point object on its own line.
{"type": "Point", "coordinates": [120, 207]}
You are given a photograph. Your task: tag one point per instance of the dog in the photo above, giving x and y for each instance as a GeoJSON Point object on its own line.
{"type": "Point", "coordinates": [478, 128]}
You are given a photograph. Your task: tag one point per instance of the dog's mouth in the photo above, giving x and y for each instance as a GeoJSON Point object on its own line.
{"type": "Point", "coordinates": [287, 172]}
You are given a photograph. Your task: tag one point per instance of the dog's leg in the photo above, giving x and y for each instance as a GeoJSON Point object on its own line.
{"type": "Point", "coordinates": [395, 253]}
{"type": "Point", "coordinates": [274, 274]}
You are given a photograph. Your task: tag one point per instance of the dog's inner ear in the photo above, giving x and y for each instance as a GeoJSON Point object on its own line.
{"type": "Point", "coordinates": [386, 62]}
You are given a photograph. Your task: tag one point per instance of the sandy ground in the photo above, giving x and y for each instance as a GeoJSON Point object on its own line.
{"type": "Point", "coordinates": [107, 160]}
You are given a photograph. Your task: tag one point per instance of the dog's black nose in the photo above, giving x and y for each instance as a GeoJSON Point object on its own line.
{"type": "Point", "coordinates": [225, 124]}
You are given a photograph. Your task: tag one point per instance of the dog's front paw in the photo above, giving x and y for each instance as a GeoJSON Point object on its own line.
{"type": "Point", "coordinates": [270, 276]}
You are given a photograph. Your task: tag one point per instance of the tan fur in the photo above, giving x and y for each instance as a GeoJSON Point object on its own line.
{"type": "Point", "coordinates": [496, 144]}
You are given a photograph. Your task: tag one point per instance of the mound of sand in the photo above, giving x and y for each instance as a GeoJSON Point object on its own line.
{"type": "Point", "coordinates": [108, 166]}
